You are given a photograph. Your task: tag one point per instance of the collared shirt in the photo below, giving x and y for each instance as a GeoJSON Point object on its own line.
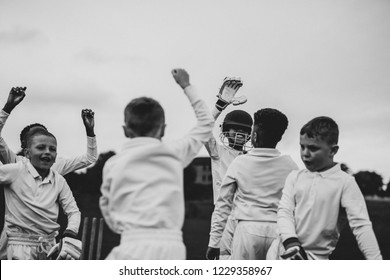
{"type": "Point", "coordinates": [252, 186]}
{"type": "Point", "coordinates": [62, 165]}
{"type": "Point", "coordinates": [310, 207]}
{"type": "Point", "coordinates": [143, 184]}
{"type": "Point", "coordinates": [32, 204]}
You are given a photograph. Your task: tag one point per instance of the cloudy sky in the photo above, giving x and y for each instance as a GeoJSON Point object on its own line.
{"type": "Point", "coordinates": [306, 58]}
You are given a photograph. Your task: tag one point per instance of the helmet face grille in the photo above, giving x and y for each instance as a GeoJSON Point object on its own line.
{"type": "Point", "coordinates": [237, 140]}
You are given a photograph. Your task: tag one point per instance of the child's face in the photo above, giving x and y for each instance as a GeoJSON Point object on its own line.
{"type": "Point", "coordinates": [316, 154]}
{"type": "Point", "coordinates": [42, 152]}
{"type": "Point", "coordinates": [237, 138]}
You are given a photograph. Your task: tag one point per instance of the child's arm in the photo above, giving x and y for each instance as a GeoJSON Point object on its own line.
{"type": "Point", "coordinates": [68, 204]}
{"type": "Point", "coordinates": [228, 90]}
{"type": "Point", "coordinates": [188, 147]}
{"type": "Point", "coordinates": [9, 173]}
{"type": "Point", "coordinates": [65, 166]}
{"type": "Point", "coordinates": [69, 246]}
{"type": "Point", "coordinates": [286, 221]}
{"type": "Point", "coordinates": [104, 201]}
{"type": "Point", "coordinates": [15, 96]}
{"type": "Point", "coordinates": [222, 210]}
{"type": "Point", "coordinates": [353, 202]}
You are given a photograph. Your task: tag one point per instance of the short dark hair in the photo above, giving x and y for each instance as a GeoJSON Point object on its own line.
{"type": "Point", "coordinates": [144, 115]}
{"type": "Point", "coordinates": [38, 132]}
{"type": "Point", "coordinates": [272, 124]}
{"type": "Point", "coordinates": [322, 127]}
{"type": "Point", "coordinates": [25, 131]}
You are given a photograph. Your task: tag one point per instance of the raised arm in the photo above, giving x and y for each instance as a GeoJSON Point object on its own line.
{"type": "Point", "coordinates": [65, 166]}
{"type": "Point", "coordinates": [16, 95]}
{"type": "Point", "coordinates": [226, 96]}
{"type": "Point", "coordinates": [188, 147]}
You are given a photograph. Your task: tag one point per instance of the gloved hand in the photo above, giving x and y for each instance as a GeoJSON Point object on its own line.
{"type": "Point", "coordinates": [212, 253]}
{"type": "Point", "coordinates": [227, 93]}
{"type": "Point", "coordinates": [69, 248]}
{"type": "Point", "coordinates": [294, 253]}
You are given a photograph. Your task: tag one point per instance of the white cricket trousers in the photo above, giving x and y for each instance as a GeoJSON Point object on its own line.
{"type": "Point", "coordinates": [22, 246]}
{"type": "Point", "coordinates": [252, 240]}
{"type": "Point", "coordinates": [149, 244]}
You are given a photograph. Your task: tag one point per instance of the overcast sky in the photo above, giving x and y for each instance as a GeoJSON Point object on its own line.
{"type": "Point", "coordinates": [305, 57]}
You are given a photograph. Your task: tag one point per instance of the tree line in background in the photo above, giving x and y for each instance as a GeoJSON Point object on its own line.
{"type": "Point", "coordinates": [370, 183]}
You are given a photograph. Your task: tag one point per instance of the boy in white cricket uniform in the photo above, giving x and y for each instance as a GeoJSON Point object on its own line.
{"type": "Point", "coordinates": [33, 193]}
{"type": "Point", "coordinates": [142, 190]}
{"type": "Point", "coordinates": [235, 133]}
{"type": "Point", "coordinates": [61, 165]}
{"type": "Point", "coordinates": [253, 187]}
{"type": "Point", "coordinates": [312, 199]}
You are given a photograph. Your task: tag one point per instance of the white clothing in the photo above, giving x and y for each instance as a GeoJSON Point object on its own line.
{"type": "Point", "coordinates": [221, 157]}
{"type": "Point", "coordinates": [22, 246]}
{"type": "Point", "coordinates": [310, 208]}
{"type": "Point", "coordinates": [149, 244]}
{"type": "Point", "coordinates": [252, 240]}
{"type": "Point", "coordinates": [32, 207]}
{"type": "Point", "coordinates": [32, 204]}
{"type": "Point", "coordinates": [252, 186]}
{"type": "Point", "coordinates": [143, 184]}
{"type": "Point", "coordinates": [61, 165]}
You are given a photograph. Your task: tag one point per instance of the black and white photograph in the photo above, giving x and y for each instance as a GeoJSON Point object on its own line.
{"type": "Point", "coordinates": [216, 131]}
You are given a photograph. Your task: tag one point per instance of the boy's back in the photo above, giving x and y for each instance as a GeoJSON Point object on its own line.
{"type": "Point", "coordinates": [142, 189]}
{"type": "Point", "coordinates": [260, 177]}
{"type": "Point", "coordinates": [143, 185]}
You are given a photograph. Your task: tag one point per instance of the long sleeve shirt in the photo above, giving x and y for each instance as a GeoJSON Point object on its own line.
{"type": "Point", "coordinates": [221, 157]}
{"type": "Point", "coordinates": [310, 207]}
{"type": "Point", "coordinates": [62, 165]}
{"type": "Point", "coordinates": [32, 204]}
{"type": "Point", "coordinates": [143, 184]}
{"type": "Point", "coordinates": [253, 187]}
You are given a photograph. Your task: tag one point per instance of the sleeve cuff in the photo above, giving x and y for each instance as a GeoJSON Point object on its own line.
{"type": "Point", "coordinates": [291, 242]}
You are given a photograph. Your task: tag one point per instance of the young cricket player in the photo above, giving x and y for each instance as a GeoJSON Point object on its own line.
{"type": "Point", "coordinates": [142, 190]}
{"type": "Point", "coordinates": [33, 194]}
{"type": "Point", "coordinates": [252, 187]}
{"type": "Point", "coordinates": [235, 133]}
{"type": "Point", "coordinates": [61, 165]}
{"type": "Point", "coordinates": [313, 198]}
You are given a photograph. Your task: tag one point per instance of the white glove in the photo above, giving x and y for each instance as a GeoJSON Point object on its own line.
{"type": "Point", "coordinates": [294, 253]}
{"type": "Point", "coordinates": [227, 93]}
{"type": "Point", "coordinates": [67, 249]}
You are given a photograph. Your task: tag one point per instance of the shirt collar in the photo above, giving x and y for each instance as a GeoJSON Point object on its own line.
{"type": "Point", "coordinates": [330, 171]}
{"type": "Point", "coordinates": [264, 152]}
{"type": "Point", "coordinates": [139, 141]}
{"type": "Point", "coordinates": [35, 174]}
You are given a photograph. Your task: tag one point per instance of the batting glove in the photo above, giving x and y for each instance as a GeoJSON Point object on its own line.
{"type": "Point", "coordinates": [227, 93]}
{"type": "Point", "coordinates": [212, 253]}
{"type": "Point", "coordinates": [69, 248]}
{"type": "Point", "coordinates": [294, 253]}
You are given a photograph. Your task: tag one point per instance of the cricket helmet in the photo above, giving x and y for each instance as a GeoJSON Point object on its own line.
{"type": "Point", "coordinates": [241, 122]}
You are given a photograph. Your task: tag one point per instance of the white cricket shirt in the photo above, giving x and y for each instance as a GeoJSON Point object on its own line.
{"type": "Point", "coordinates": [252, 186]}
{"type": "Point", "coordinates": [310, 206]}
{"type": "Point", "coordinates": [32, 204]}
{"type": "Point", "coordinates": [143, 184]}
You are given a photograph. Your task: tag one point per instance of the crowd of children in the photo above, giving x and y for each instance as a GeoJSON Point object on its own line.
{"type": "Point", "coordinates": [264, 207]}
